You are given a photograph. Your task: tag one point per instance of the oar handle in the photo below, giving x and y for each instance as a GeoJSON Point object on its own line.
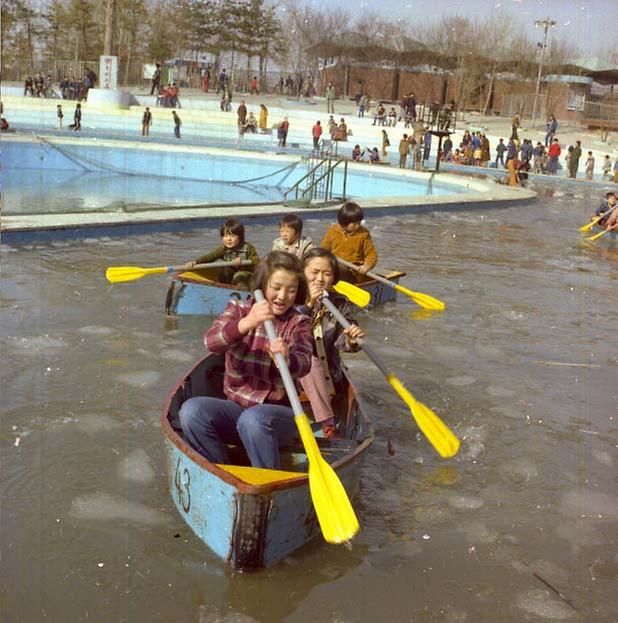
{"type": "Point", "coordinates": [345, 323]}
{"type": "Point", "coordinates": [290, 388]}
{"type": "Point", "coordinates": [222, 264]}
{"type": "Point", "coordinates": [369, 274]}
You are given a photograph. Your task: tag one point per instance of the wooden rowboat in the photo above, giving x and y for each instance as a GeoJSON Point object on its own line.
{"type": "Point", "coordinates": [193, 294]}
{"type": "Point", "coordinates": [253, 518]}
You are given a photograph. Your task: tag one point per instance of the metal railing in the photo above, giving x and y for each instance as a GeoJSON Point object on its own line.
{"type": "Point", "coordinates": [318, 183]}
{"type": "Point", "coordinates": [600, 112]}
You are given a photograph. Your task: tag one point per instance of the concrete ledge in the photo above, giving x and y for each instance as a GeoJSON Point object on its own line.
{"type": "Point", "coordinates": [109, 99]}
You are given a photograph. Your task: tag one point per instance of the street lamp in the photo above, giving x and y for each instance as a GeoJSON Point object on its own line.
{"type": "Point", "coordinates": [545, 24]}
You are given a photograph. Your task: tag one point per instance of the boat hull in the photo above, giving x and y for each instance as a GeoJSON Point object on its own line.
{"type": "Point", "coordinates": [380, 292]}
{"type": "Point", "coordinates": [255, 519]}
{"type": "Point", "coordinates": [189, 294]}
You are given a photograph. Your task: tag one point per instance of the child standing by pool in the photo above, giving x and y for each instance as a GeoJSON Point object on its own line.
{"type": "Point", "coordinates": [256, 411]}
{"type": "Point", "coordinates": [233, 249]}
{"type": "Point", "coordinates": [325, 380]}
{"type": "Point", "coordinates": [350, 241]}
{"type": "Point", "coordinates": [291, 239]}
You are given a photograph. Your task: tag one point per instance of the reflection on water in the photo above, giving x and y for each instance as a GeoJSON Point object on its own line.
{"type": "Point", "coordinates": [37, 191]}
{"type": "Point", "coordinates": [519, 365]}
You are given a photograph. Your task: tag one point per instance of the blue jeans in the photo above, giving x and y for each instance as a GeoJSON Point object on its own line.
{"type": "Point", "coordinates": [209, 423]}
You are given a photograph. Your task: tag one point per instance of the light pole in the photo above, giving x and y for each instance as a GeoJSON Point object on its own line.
{"type": "Point", "coordinates": [545, 24]}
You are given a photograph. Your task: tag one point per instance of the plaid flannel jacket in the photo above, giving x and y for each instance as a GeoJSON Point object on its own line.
{"type": "Point", "coordinates": [251, 376]}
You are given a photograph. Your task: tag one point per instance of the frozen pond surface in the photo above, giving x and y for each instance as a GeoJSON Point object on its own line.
{"type": "Point", "coordinates": [89, 531]}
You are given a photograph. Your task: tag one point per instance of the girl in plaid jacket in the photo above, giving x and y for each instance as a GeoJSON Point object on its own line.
{"type": "Point", "coordinates": [256, 411]}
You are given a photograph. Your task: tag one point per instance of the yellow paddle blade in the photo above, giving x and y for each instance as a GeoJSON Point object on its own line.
{"type": "Point", "coordinates": [436, 431]}
{"type": "Point", "coordinates": [589, 226]}
{"type": "Point", "coordinates": [353, 293]}
{"type": "Point", "coordinates": [424, 300]}
{"type": "Point", "coordinates": [330, 500]}
{"type": "Point", "coordinates": [598, 235]}
{"type": "Point", "coordinates": [116, 274]}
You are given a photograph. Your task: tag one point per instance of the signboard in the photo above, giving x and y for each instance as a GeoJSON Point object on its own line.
{"type": "Point", "coordinates": [148, 70]}
{"type": "Point", "coordinates": [108, 72]}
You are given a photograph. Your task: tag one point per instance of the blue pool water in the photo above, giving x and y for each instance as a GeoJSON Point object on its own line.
{"type": "Point", "coordinates": [67, 176]}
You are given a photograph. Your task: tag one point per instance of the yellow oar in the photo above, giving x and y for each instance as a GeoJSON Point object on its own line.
{"type": "Point", "coordinates": [330, 500]}
{"type": "Point", "coordinates": [117, 274]}
{"type": "Point", "coordinates": [594, 221]}
{"type": "Point", "coordinates": [353, 293]}
{"type": "Point", "coordinates": [605, 231]}
{"type": "Point", "coordinates": [436, 431]}
{"type": "Point", "coordinates": [424, 300]}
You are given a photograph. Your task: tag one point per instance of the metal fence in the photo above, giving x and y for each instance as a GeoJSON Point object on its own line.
{"type": "Point", "coordinates": [522, 104]}
{"type": "Point", "coordinates": [601, 113]}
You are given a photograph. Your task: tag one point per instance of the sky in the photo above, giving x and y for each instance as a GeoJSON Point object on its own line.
{"type": "Point", "coordinates": [589, 24]}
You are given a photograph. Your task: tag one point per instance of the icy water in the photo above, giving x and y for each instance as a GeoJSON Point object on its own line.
{"type": "Point", "coordinates": [522, 366]}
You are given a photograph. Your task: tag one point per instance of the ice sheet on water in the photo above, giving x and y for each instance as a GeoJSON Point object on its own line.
{"type": "Point", "coordinates": [479, 534]}
{"type": "Point", "coordinates": [593, 504]}
{"type": "Point", "coordinates": [603, 457]}
{"type": "Point", "coordinates": [95, 330]}
{"type": "Point", "coordinates": [105, 507]}
{"type": "Point", "coordinates": [228, 617]}
{"type": "Point", "coordinates": [96, 423]}
{"type": "Point", "coordinates": [36, 344]}
{"type": "Point", "coordinates": [542, 603]}
{"type": "Point", "coordinates": [519, 470]}
{"type": "Point", "coordinates": [137, 467]}
{"type": "Point", "coordinates": [499, 392]}
{"type": "Point", "coordinates": [146, 378]}
{"type": "Point", "coordinates": [177, 355]}
{"type": "Point", "coordinates": [466, 502]}
{"type": "Point", "coordinates": [460, 381]}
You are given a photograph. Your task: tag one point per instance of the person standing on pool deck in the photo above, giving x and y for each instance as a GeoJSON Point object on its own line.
{"type": "Point", "coordinates": [350, 241]}
{"type": "Point", "coordinates": [59, 117]}
{"type": "Point", "coordinates": [256, 411]}
{"type": "Point", "coordinates": [146, 122]}
{"type": "Point", "coordinates": [177, 124]}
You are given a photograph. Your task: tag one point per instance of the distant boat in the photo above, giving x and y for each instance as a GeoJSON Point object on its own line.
{"type": "Point", "coordinates": [191, 294]}
{"type": "Point", "coordinates": [253, 518]}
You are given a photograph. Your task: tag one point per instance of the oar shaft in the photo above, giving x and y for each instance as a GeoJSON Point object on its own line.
{"type": "Point", "coordinates": [286, 377]}
{"type": "Point", "coordinates": [183, 267]}
{"type": "Point", "coordinates": [345, 323]}
{"type": "Point", "coordinates": [369, 274]}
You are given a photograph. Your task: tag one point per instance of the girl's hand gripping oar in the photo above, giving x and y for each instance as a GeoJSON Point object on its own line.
{"type": "Point", "coordinates": [436, 431]}
{"type": "Point", "coordinates": [117, 274]}
{"type": "Point", "coordinates": [330, 500]}
{"type": "Point", "coordinates": [605, 231]}
{"type": "Point", "coordinates": [594, 221]}
{"type": "Point", "coordinates": [424, 300]}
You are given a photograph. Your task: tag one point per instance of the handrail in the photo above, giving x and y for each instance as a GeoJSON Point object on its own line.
{"type": "Point", "coordinates": [304, 177]}
{"type": "Point", "coordinates": [327, 173]}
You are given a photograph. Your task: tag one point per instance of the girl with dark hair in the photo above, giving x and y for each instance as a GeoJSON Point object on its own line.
{"type": "Point", "coordinates": [325, 379]}
{"type": "Point", "coordinates": [350, 241]}
{"type": "Point", "coordinates": [233, 249]}
{"type": "Point", "coordinates": [256, 413]}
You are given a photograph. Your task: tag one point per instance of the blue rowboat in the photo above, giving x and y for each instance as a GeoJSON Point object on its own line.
{"type": "Point", "coordinates": [253, 518]}
{"type": "Point", "coordinates": [192, 294]}
{"type": "Point", "coordinates": [381, 293]}
{"type": "Point", "coordinates": [610, 239]}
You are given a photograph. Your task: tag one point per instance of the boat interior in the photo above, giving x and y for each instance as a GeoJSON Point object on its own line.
{"type": "Point", "coordinates": [206, 379]}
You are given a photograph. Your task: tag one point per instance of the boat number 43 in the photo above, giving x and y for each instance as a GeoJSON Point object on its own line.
{"type": "Point", "coordinates": [182, 482]}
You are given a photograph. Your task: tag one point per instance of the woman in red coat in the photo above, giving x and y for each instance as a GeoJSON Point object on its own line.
{"type": "Point", "coordinates": [554, 153]}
